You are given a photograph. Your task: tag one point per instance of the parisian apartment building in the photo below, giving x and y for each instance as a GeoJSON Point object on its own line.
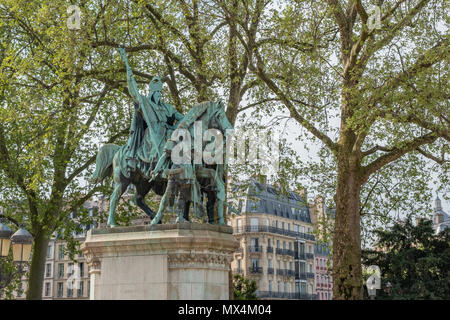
{"type": "Point", "coordinates": [278, 244]}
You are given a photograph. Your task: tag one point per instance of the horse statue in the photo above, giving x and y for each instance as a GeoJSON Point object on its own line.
{"type": "Point", "coordinates": [189, 181]}
{"type": "Point", "coordinates": [145, 160]}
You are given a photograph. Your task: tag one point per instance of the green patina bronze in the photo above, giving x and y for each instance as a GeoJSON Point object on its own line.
{"type": "Point", "coordinates": [145, 160]}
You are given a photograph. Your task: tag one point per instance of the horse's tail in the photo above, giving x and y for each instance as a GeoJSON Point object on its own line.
{"type": "Point", "coordinates": [104, 161]}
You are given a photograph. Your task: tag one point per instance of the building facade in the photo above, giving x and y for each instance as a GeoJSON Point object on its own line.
{"type": "Point", "coordinates": [323, 280]}
{"type": "Point", "coordinates": [441, 219]}
{"type": "Point", "coordinates": [322, 218]}
{"type": "Point", "coordinates": [277, 243]}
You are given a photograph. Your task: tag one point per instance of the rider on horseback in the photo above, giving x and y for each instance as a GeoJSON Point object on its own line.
{"type": "Point", "coordinates": [159, 122]}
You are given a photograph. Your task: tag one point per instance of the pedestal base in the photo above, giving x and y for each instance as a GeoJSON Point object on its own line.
{"type": "Point", "coordinates": [173, 261]}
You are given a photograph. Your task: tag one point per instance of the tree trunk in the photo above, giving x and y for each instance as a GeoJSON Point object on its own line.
{"type": "Point", "coordinates": [347, 272]}
{"type": "Point", "coordinates": [36, 279]}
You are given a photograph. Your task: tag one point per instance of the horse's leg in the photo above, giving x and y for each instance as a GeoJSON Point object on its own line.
{"type": "Point", "coordinates": [120, 185]}
{"type": "Point", "coordinates": [210, 206]}
{"type": "Point", "coordinates": [182, 204]}
{"type": "Point", "coordinates": [187, 206]}
{"type": "Point", "coordinates": [220, 212]}
{"type": "Point", "coordinates": [165, 200]}
{"type": "Point", "coordinates": [141, 191]}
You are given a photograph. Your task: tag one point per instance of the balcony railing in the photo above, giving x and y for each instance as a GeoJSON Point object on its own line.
{"type": "Point", "coordinates": [255, 270]}
{"type": "Point", "coordinates": [300, 256]}
{"type": "Point", "coordinates": [285, 252]}
{"type": "Point", "coordinates": [281, 272]}
{"type": "Point", "coordinates": [288, 252]}
{"type": "Point", "coordinates": [238, 270]}
{"type": "Point", "coordinates": [269, 249]}
{"type": "Point", "coordinates": [269, 270]}
{"type": "Point", "coordinates": [255, 248]}
{"type": "Point", "coordinates": [286, 295]}
{"type": "Point", "coordinates": [285, 273]}
{"type": "Point", "coordinates": [310, 275]}
{"type": "Point", "coordinates": [310, 256]}
{"type": "Point", "coordinates": [270, 229]}
{"type": "Point", "coordinates": [300, 276]}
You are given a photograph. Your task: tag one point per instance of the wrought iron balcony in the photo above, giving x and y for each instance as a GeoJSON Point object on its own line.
{"type": "Point", "coordinates": [269, 270]}
{"type": "Point", "coordinates": [279, 251]}
{"type": "Point", "coordinates": [269, 249]}
{"type": "Point", "coordinates": [300, 276]}
{"type": "Point", "coordinates": [255, 270]}
{"type": "Point", "coordinates": [310, 256]}
{"type": "Point", "coordinates": [270, 229]}
{"type": "Point", "coordinates": [300, 256]}
{"type": "Point", "coordinates": [310, 275]}
{"type": "Point", "coordinates": [288, 252]}
{"type": "Point", "coordinates": [255, 249]}
{"type": "Point", "coordinates": [281, 272]}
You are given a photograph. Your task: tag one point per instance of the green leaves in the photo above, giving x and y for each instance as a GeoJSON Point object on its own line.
{"type": "Point", "coordinates": [244, 288]}
{"type": "Point", "coordinates": [414, 260]}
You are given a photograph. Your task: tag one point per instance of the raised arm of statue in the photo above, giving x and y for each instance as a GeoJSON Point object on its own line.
{"type": "Point", "coordinates": [132, 85]}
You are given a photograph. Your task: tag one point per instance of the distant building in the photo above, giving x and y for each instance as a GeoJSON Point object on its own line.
{"type": "Point", "coordinates": [441, 219]}
{"type": "Point", "coordinates": [276, 242]}
{"type": "Point", "coordinates": [322, 218]}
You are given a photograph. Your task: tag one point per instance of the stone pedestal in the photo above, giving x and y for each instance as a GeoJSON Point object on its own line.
{"type": "Point", "coordinates": [173, 261]}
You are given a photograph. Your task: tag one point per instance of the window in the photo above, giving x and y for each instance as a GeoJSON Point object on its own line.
{"type": "Point", "coordinates": [81, 289]}
{"type": "Point", "coordinates": [270, 285]}
{"type": "Point", "coordinates": [310, 268]}
{"type": "Point", "coordinates": [254, 224]}
{"type": "Point", "coordinates": [296, 228]}
{"type": "Point", "coordinates": [289, 227]}
{"type": "Point", "coordinates": [285, 287]}
{"type": "Point", "coordinates": [279, 286]}
{"type": "Point", "coordinates": [69, 292]}
{"type": "Point", "coordinates": [282, 225]}
{"type": "Point", "coordinates": [268, 242]}
{"type": "Point", "coordinates": [254, 242]}
{"type": "Point", "coordinates": [290, 245]}
{"type": "Point", "coordinates": [61, 252]}
{"type": "Point", "coordinates": [70, 270]}
{"type": "Point", "coordinates": [48, 270]}
{"type": "Point", "coordinates": [270, 263]}
{"type": "Point", "coordinates": [61, 270]}
{"type": "Point", "coordinates": [290, 265]}
{"type": "Point", "coordinates": [284, 245]}
{"type": "Point", "coordinates": [88, 290]}
{"type": "Point", "coordinates": [255, 263]}
{"type": "Point", "coordinates": [239, 225]}
{"type": "Point", "coordinates": [239, 263]}
{"type": "Point", "coordinates": [60, 289]}
{"type": "Point", "coordinates": [81, 269]}
{"type": "Point", "coordinates": [278, 244]}
{"type": "Point", "coordinates": [49, 251]}
{"type": "Point", "coordinates": [47, 289]}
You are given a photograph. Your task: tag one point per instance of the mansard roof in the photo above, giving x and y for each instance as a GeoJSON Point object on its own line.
{"type": "Point", "coordinates": [266, 198]}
